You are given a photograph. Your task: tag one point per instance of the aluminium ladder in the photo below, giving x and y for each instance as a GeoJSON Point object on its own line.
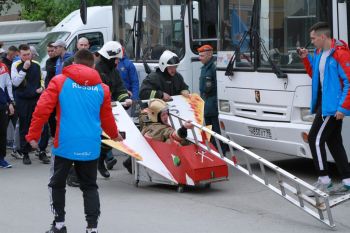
{"type": "Point", "coordinates": [286, 185]}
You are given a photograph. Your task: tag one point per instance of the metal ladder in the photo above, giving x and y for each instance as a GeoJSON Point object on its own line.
{"type": "Point", "coordinates": [286, 185]}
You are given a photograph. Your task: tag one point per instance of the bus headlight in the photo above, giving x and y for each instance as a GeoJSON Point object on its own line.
{"type": "Point", "coordinates": [306, 115]}
{"type": "Point", "coordinates": [224, 106]}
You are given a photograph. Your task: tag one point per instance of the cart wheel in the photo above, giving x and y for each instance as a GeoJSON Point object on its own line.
{"type": "Point", "coordinates": [180, 189]}
{"type": "Point", "coordinates": [207, 185]}
{"type": "Point", "coordinates": [136, 183]}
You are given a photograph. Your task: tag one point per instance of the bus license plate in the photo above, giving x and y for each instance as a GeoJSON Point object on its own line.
{"type": "Point", "coordinates": [259, 132]}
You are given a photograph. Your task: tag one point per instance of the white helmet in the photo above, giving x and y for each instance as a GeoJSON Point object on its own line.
{"type": "Point", "coordinates": [111, 49]}
{"type": "Point", "coordinates": [168, 59]}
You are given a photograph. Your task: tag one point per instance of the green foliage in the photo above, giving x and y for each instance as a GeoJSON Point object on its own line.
{"type": "Point", "coordinates": [53, 11]}
{"type": "Point", "coordinates": [5, 5]}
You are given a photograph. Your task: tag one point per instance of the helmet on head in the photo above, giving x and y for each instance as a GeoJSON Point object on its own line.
{"type": "Point", "coordinates": [155, 106]}
{"type": "Point", "coordinates": [111, 49]}
{"type": "Point", "coordinates": [168, 59]}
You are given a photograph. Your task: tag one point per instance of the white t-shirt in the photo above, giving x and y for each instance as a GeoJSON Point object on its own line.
{"type": "Point", "coordinates": [322, 64]}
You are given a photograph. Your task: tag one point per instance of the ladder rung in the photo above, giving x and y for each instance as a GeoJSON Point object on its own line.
{"type": "Point", "coordinates": [339, 200]}
{"type": "Point", "coordinates": [320, 202]}
{"type": "Point", "coordinates": [311, 201]}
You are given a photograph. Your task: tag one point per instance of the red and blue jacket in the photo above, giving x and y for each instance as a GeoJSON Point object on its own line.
{"type": "Point", "coordinates": [83, 109]}
{"type": "Point", "coordinates": [336, 83]}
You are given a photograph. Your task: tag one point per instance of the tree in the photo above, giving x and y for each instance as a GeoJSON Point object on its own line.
{"type": "Point", "coordinates": [52, 11]}
{"type": "Point", "coordinates": [5, 5]}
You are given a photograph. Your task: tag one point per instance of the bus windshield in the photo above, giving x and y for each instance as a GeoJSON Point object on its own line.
{"type": "Point", "coordinates": [281, 27]}
{"type": "Point", "coordinates": [147, 28]}
{"type": "Point", "coordinates": [50, 37]}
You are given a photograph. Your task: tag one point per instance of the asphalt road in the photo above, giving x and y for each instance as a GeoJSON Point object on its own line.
{"type": "Point", "coordinates": [237, 205]}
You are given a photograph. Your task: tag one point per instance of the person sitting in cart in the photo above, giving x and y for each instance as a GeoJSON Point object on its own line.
{"type": "Point", "coordinates": [159, 128]}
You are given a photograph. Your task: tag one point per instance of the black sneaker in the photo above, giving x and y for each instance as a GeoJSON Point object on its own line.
{"type": "Point", "coordinates": [103, 170]}
{"type": "Point", "coordinates": [43, 157]}
{"type": "Point", "coordinates": [127, 165]}
{"type": "Point", "coordinates": [73, 181]}
{"type": "Point", "coordinates": [26, 159]}
{"type": "Point", "coordinates": [55, 230]}
{"type": "Point", "coordinates": [111, 162]}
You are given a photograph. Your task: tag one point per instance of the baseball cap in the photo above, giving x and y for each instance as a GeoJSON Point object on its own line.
{"type": "Point", "coordinates": [60, 43]}
{"type": "Point", "coordinates": [33, 50]}
{"type": "Point", "coordinates": [205, 48]}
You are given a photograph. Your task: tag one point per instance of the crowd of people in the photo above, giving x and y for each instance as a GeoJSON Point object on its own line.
{"type": "Point", "coordinates": [36, 100]}
{"type": "Point", "coordinates": [77, 90]}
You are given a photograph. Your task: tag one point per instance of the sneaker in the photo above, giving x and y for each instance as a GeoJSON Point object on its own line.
{"type": "Point", "coordinates": [4, 164]}
{"type": "Point", "coordinates": [16, 154]}
{"type": "Point", "coordinates": [55, 230]}
{"type": "Point", "coordinates": [26, 159]}
{"type": "Point", "coordinates": [111, 162]}
{"type": "Point", "coordinates": [89, 230]}
{"type": "Point", "coordinates": [319, 185]}
{"type": "Point", "coordinates": [103, 170]}
{"type": "Point", "coordinates": [73, 181]}
{"type": "Point", "coordinates": [339, 189]}
{"type": "Point", "coordinates": [127, 165]}
{"type": "Point", "coordinates": [43, 157]}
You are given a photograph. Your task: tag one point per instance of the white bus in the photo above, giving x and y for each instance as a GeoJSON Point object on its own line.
{"type": "Point", "coordinates": [261, 105]}
{"type": "Point", "coordinates": [264, 105]}
{"type": "Point", "coordinates": [147, 27]}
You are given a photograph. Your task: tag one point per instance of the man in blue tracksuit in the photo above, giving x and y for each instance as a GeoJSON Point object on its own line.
{"type": "Point", "coordinates": [329, 68]}
{"type": "Point", "coordinates": [128, 72]}
{"type": "Point", "coordinates": [63, 55]}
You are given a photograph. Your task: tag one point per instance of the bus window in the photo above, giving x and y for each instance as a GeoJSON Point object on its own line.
{"type": "Point", "coordinates": [204, 25]}
{"type": "Point", "coordinates": [284, 26]}
{"type": "Point", "coordinates": [94, 38]}
{"type": "Point", "coordinates": [235, 23]}
{"type": "Point", "coordinates": [162, 27]}
{"type": "Point", "coordinates": [277, 29]}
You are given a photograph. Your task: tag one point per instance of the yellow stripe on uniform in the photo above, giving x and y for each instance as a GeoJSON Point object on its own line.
{"type": "Point", "coordinates": [153, 94]}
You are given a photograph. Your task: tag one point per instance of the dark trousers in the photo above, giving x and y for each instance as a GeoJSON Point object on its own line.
{"type": "Point", "coordinates": [25, 109]}
{"type": "Point", "coordinates": [3, 132]}
{"type": "Point", "coordinates": [13, 119]}
{"type": "Point", "coordinates": [44, 139]}
{"type": "Point", "coordinates": [328, 130]}
{"type": "Point", "coordinates": [214, 122]}
{"type": "Point", "coordinates": [52, 123]}
{"type": "Point", "coordinates": [87, 174]}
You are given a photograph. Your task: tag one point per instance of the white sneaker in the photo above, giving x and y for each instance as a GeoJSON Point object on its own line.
{"type": "Point", "coordinates": [339, 189]}
{"type": "Point", "coordinates": [16, 154]}
{"type": "Point", "coordinates": [321, 186]}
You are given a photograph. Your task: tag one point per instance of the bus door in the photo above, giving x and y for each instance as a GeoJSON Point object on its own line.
{"type": "Point", "coordinates": [149, 27]}
{"type": "Point", "coordinates": [203, 30]}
